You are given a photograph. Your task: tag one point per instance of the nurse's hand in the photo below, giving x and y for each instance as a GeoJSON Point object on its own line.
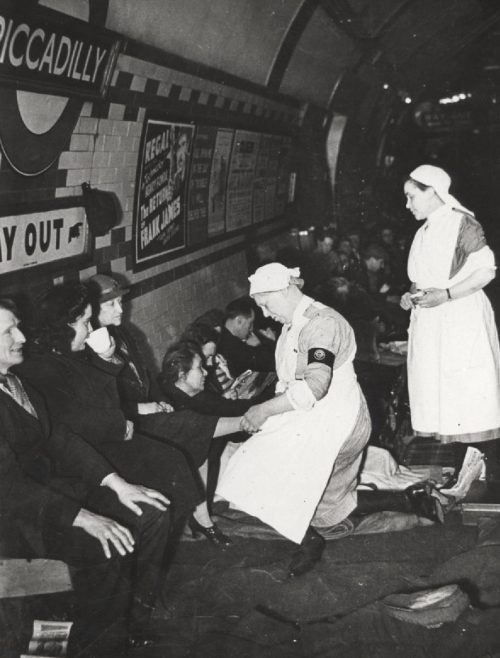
{"type": "Point", "coordinates": [406, 302]}
{"type": "Point", "coordinates": [432, 297]}
{"type": "Point", "coordinates": [254, 418]}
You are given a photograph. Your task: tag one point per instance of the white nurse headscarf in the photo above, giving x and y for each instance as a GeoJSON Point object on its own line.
{"type": "Point", "coordinates": [273, 277]}
{"type": "Point", "coordinates": [438, 179]}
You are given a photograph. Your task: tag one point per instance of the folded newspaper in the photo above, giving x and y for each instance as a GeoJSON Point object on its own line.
{"type": "Point", "coordinates": [49, 639]}
{"type": "Point", "coordinates": [472, 469]}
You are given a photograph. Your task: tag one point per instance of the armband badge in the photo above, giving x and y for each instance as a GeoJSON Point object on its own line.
{"type": "Point", "coordinates": [320, 355]}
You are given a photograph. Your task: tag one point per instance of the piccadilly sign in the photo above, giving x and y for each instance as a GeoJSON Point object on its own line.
{"type": "Point", "coordinates": [44, 50]}
{"type": "Point", "coordinates": [50, 62]}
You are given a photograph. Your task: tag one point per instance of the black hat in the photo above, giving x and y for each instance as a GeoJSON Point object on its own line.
{"type": "Point", "coordinates": [109, 288]}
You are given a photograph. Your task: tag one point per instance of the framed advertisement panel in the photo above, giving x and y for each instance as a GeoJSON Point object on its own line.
{"type": "Point", "coordinates": [161, 191]}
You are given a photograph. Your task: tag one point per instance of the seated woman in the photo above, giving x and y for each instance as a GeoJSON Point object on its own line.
{"type": "Point", "coordinates": [84, 397]}
{"type": "Point", "coordinates": [183, 380]}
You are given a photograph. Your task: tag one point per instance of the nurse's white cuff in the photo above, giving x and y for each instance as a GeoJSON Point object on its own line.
{"type": "Point", "coordinates": [300, 395]}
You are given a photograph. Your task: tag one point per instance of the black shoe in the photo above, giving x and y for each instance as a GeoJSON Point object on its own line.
{"type": "Point", "coordinates": [423, 503]}
{"type": "Point", "coordinates": [212, 533]}
{"type": "Point", "coordinates": [307, 555]}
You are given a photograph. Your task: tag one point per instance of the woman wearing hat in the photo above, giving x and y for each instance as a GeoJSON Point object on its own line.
{"type": "Point", "coordinates": [302, 462]}
{"type": "Point", "coordinates": [453, 351]}
{"type": "Point", "coordinates": [139, 392]}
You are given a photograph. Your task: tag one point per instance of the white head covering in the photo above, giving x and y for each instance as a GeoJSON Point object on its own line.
{"type": "Point", "coordinates": [272, 277]}
{"type": "Point", "coordinates": [438, 179]}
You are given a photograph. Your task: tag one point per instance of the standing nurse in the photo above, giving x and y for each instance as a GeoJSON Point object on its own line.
{"type": "Point", "coordinates": [453, 352]}
{"type": "Point", "coordinates": [300, 468]}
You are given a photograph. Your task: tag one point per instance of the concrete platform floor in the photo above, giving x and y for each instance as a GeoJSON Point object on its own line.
{"type": "Point", "coordinates": [239, 603]}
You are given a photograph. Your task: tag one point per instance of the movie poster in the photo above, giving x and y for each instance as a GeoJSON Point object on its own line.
{"type": "Point", "coordinates": [272, 177]}
{"type": "Point", "coordinates": [261, 179]}
{"type": "Point", "coordinates": [161, 190]}
{"type": "Point", "coordinates": [218, 182]}
{"type": "Point", "coordinates": [199, 183]}
{"type": "Point", "coordinates": [240, 185]}
{"type": "Point", "coordinates": [283, 178]}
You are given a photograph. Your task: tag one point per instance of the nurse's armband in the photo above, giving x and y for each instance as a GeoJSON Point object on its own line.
{"type": "Point", "coordinates": [320, 355]}
{"type": "Point", "coordinates": [300, 395]}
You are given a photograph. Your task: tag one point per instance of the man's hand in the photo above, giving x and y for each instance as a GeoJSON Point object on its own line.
{"type": "Point", "coordinates": [132, 494]}
{"type": "Point", "coordinates": [254, 418]}
{"type": "Point", "coordinates": [253, 340]}
{"type": "Point", "coordinates": [268, 333]}
{"type": "Point", "coordinates": [231, 394]}
{"type": "Point", "coordinates": [145, 408]}
{"type": "Point", "coordinates": [129, 431]}
{"type": "Point", "coordinates": [106, 531]}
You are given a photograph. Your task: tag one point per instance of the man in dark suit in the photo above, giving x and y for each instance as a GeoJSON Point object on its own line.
{"type": "Point", "coordinates": [61, 499]}
{"type": "Point", "coordinates": [239, 345]}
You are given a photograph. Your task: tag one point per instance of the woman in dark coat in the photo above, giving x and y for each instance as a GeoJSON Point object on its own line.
{"type": "Point", "coordinates": [85, 398]}
{"type": "Point", "coordinates": [183, 380]}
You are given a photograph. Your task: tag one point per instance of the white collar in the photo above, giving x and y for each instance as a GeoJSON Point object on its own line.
{"type": "Point", "coordinates": [438, 214]}
{"type": "Point", "coordinates": [301, 308]}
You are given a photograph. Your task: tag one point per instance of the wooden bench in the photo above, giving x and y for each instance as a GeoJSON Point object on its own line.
{"type": "Point", "coordinates": [19, 577]}
{"type": "Point", "coordinates": [30, 589]}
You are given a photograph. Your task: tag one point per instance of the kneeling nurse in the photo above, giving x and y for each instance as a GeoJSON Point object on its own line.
{"type": "Point", "coordinates": [300, 467]}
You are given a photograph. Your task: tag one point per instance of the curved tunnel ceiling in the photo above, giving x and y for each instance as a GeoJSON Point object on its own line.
{"type": "Point", "coordinates": [240, 37]}
{"type": "Point", "coordinates": [304, 48]}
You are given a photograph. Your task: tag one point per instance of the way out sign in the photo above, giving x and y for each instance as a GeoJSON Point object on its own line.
{"type": "Point", "coordinates": [39, 238]}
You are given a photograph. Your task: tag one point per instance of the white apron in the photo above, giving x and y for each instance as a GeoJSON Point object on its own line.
{"type": "Point", "coordinates": [279, 474]}
{"type": "Point", "coordinates": [453, 352]}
